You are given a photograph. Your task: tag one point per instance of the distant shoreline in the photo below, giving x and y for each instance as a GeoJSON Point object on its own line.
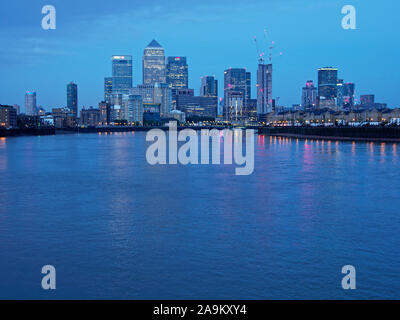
{"type": "Point", "coordinates": [372, 134]}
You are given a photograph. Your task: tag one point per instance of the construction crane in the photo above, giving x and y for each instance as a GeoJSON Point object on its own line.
{"type": "Point", "coordinates": [259, 53]}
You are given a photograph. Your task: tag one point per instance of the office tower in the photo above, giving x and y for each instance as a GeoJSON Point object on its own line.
{"type": "Point", "coordinates": [309, 96]}
{"type": "Point", "coordinates": [104, 108]}
{"type": "Point", "coordinates": [163, 96]}
{"type": "Point", "coordinates": [236, 80]}
{"type": "Point", "coordinates": [8, 116]}
{"type": "Point", "coordinates": [339, 93]}
{"type": "Point", "coordinates": [108, 88]}
{"type": "Point", "coordinates": [159, 93]}
{"type": "Point", "coordinates": [209, 86]}
{"type": "Point", "coordinates": [264, 91]}
{"type": "Point", "coordinates": [177, 72]}
{"type": "Point", "coordinates": [196, 106]}
{"type": "Point", "coordinates": [154, 64]}
{"type": "Point", "coordinates": [133, 108]}
{"type": "Point", "coordinates": [72, 98]}
{"type": "Point", "coordinates": [348, 95]}
{"type": "Point", "coordinates": [146, 91]}
{"type": "Point", "coordinates": [327, 83]}
{"type": "Point", "coordinates": [235, 102]}
{"type": "Point", "coordinates": [367, 99]}
{"type": "Point", "coordinates": [90, 117]}
{"type": "Point", "coordinates": [121, 74]}
{"type": "Point", "coordinates": [30, 103]}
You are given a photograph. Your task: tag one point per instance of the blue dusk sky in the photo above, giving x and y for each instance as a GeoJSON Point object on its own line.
{"type": "Point", "coordinates": [213, 34]}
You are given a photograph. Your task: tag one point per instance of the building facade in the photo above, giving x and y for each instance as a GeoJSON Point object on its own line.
{"type": "Point", "coordinates": [209, 86]}
{"type": "Point", "coordinates": [72, 98]}
{"type": "Point", "coordinates": [236, 80]}
{"type": "Point", "coordinates": [8, 116]}
{"type": "Point", "coordinates": [327, 83]}
{"type": "Point", "coordinates": [30, 103]}
{"type": "Point", "coordinates": [177, 72]}
{"type": "Point", "coordinates": [154, 70]}
{"type": "Point", "coordinates": [309, 96]}
{"type": "Point", "coordinates": [133, 108]}
{"type": "Point", "coordinates": [121, 74]}
{"type": "Point", "coordinates": [264, 91]}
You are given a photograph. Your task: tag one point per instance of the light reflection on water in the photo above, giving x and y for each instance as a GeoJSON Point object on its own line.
{"type": "Point", "coordinates": [116, 227]}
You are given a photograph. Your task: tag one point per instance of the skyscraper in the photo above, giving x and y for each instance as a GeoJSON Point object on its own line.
{"type": "Point", "coordinates": [209, 86]}
{"type": "Point", "coordinates": [72, 98]}
{"type": "Point", "coordinates": [177, 73]}
{"type": "Point", "coordinates": [154, 64]}
{"type": "Point", "coordinates": [132, 108]}
{"type": "Point", "coordinates": [327, 83]}
{"type": "Point", "coordinates": [339, 93]}
{"type": "Point", "coordinates": [264, 91]}
{"type": "Point", "coordinates": [309, 96]}
{"type": "Point", "coordinates": [107, 89]}
{"type": "Point", "coordinates": [237, 80]}
{"type": "Point", "coordinates": [30, 103]}
{"type": "Point", "coordinates": [121, 74]}
{"type": "Point", "coordinates": [348, 95]}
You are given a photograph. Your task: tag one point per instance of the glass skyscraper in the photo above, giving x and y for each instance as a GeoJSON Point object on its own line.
{"type": "Point", "coordinates": [108, 88]}
{"type": "Point", "coordinates": [121, 74]}
{"type": "Point", "coordinates": [264, 90]}
{"type": "Point", "coordinates": [72, 98]}
{"type": "Point", "coordinates": [154, 64]}
{"type": "Point", "coordinates": [327, 83]}
{"type": "Point", "coordinates": [177, 73]}
{"type": "Point", "coordinates": [309, 96]}
{"type": "Point", "coordinates": [236, 80]}
{"type": "Point", "coordinates": [209, 86]}
{"type": "Point", "coordinates": [30, 103]}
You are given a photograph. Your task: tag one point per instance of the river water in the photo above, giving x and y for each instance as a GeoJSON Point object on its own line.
{"type": "Point", "coordinates": [116, 227]}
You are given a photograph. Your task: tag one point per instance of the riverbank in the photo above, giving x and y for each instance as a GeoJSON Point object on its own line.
{"type": "Point", "coordinates": [376, 134]}
{"type": "Point", "coordinates": [15, 132]}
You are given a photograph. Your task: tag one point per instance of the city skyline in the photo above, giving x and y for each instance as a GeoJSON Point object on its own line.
{"type": "Point", "coordinates": [206, 55]}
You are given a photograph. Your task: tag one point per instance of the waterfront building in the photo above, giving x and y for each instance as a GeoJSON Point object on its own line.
{"type": "Point", "coordinates": [133, 108]}
{"type": "Point", "coordinates": [104, 108]}
{"type": "Point", "coordinates": [367, 99]}
{"type": "Point", "coordinates": [234, 106]}
{"type": "Point", "coordinates": [121, 74]}
{"type": "Point", "coordinates": [348, 95]}
{"type": "Point", "coordinates": [8, 116]}
{"type": "Point", "coordinates": [327, 83]}
{"type": "Point", "coordinates": [158, 93]}
{"type": "Point", "coordinates": [30, 103]}
{"type": "Point", "coordinates": [151, 113]}
{"type": "Point", "coordinates": [178, 115]}
{"type": "Point", "coordinates": [108, 89]}
{"type": "Point", "coordinates": [340, 93]}
{"type": "Point", "coordinates": [236, 80]}
{"type": "Point", "coordinates": [72, 98]}
{"type": "Point", "coordinates": [209, 86]}
{"type": "Point", "coordinates": [90, 117]}
{"type": "Point", "coordinates": [154, 64]}
{"type": "Point", "coordinates": [196, 106]}
{"type": "Point", "coordinates": [177, 72]}
{"type": "Point", "coordinates": [309, 96]}
{"type": "Point", "coordinates": [264, 91]}
{"type": "Point", "coordinates": [63, 117]}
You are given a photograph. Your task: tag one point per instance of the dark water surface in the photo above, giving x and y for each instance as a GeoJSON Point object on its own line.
{"type": "Point", "coordinates": [116, 227]}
